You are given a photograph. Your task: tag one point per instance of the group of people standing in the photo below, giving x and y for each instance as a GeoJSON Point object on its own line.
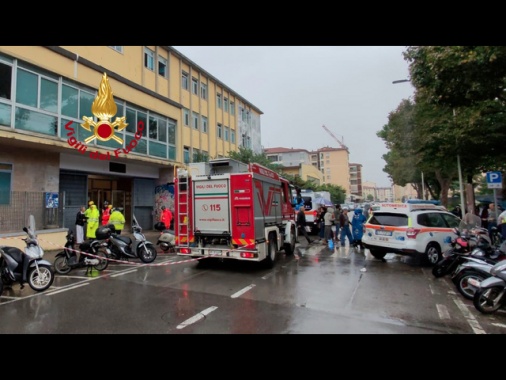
{"type": "Point", "coordinates": [89, 219]}
{"type": "Point", "coordinates": [335, 224]}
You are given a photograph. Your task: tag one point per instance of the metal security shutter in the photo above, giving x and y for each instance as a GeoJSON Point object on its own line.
{"type": "Point", "coordinates": [144, 202]}
{"type": "Point", "coordinates": [74, 188]}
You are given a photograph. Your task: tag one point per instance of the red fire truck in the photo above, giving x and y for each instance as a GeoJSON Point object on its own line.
{"type": "Point", "coordinates": [231, 210]}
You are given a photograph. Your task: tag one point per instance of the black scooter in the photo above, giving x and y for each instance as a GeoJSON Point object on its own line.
{"type": "Point", "coordinates": [93, 254]}
{"type": "Point", "coordinates": [27, 266]}
{"type": "Point", "coordinates": [123, 247]}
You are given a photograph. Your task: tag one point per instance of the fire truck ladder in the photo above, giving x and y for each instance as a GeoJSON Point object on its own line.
{"type": "Point", "coordinates": [183, 230]}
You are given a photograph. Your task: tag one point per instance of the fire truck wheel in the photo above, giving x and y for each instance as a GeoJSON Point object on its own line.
{"type": "Point", "coordinates": [290, 247]}
{"type": "Point", "coordinates": [271, 253]}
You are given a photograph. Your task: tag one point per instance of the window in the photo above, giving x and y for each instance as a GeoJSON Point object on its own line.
{"type": "Point", "coordinates": [5, 183]}
{"type": "Point", "coordinates": [5, 81]}
{"type": "Point", "coordinates": [153, 128]}
{"type": "Point", "coordinates": [184, 80]}
{"type": "Point", "coordinates": [204, 124]}
{"type": "Point", "coordinates": [162, 67]}
{"type": "Point", "coordinates": [218, 100]}
{"type": "Point", "coordinates": [119, 49]}
{"type": "Point", "coordinates": [225, 134]}
{"type": "Point", "coordinates": [195, 86]}
{"type": "Point", "coordinates": [225, 104]}
{"type": "Point", "coordinates": [232, 137]}
{"type": "Point", "coordinates": [203, 90]}
{"type": "Point", "coordinates": [27, 88]}
{"type": "Point", "coordinates": [186, 155]}
{"type": "Point", "coordinates": [186, 116]}
{"type": "Point", "coordinates": [195, 120]}
{"type": "Point", "coordinates": [149, 59]}
{"type": "Point", "coordinates": [219, 131]}
{"type": "Point", "coordinates": [232, 108]}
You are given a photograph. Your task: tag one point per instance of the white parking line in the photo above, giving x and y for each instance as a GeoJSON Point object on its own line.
{"type": "Point", "coordinates": [442, 310]}
{"type": "Point", "coordinates": [242, 291]}
{"type": "Point", "coordinates": [67, 288]}
{"type": "Point", "coordinates": [197, 317]}
{"type": "Point", "coordinates": [471, 320]}
{"type": "Point", "coordinates": [122, 273]}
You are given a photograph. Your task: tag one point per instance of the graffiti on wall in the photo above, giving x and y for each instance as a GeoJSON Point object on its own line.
{"type": "Point", "coordinates": [164, 196]}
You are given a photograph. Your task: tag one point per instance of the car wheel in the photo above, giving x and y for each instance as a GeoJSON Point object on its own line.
{"type": "Point", "coordinates": [433, 253]}
{"type": "Point", "coordinates": [377, 253]}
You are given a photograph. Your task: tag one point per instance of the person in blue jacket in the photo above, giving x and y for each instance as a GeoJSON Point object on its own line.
{"type": "Point", "coordinates": [357, 227]}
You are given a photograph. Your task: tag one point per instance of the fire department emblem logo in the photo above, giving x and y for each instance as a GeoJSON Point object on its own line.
{"type": "Point", "coordinates": [104, 109]}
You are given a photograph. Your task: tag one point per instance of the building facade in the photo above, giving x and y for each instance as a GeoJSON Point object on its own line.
{"type": "Point", "coordinates": [108, 123]}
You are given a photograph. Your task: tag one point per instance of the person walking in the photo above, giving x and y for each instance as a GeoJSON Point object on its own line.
{"type": "Point", "coordinates": [166, 217]}
{"type": "Point", "coordinates": [117, 219]}
{"type": "Point", "coordinates": [320, 219]}
{"type": "Point", "coordinates": [301, 223]}
{"type": "Point", "coordinates": [345, 228]}
{"type": "Point", "coordinates": [337, 217]}
{"type": "Point", "coordinates": [328, 220]}
{"type": "Point", "coordinates": [93, 216]}
{"type": "Point", "coordinates": [80, 222]}
{"type": "Point", "coordinates": [357, 224]}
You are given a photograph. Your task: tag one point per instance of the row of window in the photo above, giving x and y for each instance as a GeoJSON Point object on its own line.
{"type": "Point", "coordinates": [199, 122]}
{"type": "Point", "coordinates": [40, 102]}
{"type": "Point", "coordinates": [221, 103]}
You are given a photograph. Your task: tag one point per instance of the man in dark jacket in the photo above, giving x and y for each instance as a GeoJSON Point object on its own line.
{"type": "Point", "coordinates": [301, 223]}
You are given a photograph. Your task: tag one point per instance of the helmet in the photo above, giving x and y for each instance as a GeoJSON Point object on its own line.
{"type": "Point", "coordinates": [91, 203]}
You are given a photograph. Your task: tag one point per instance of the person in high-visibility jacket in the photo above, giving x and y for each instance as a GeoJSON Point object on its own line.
{"type": "Point", "coordinates": [117, 219]}
{"type": "Point", "coordinates": [93, 220]}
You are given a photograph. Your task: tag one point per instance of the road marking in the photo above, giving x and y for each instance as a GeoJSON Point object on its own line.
{"type": "Point", "coordinates": [442, 311]}
{"type": "Point", "coordinates": [471, 320]}
{"type": "Point", "coordinates": [241, 292]}
{"type": "Point", "coordinates": [67, 288]}
{"type": "Point", "coordinates": [122, 273]}
{"type": "Point", "coordinates": [499, 325]}
{"type": "Point", "coordinates": [197, 317]}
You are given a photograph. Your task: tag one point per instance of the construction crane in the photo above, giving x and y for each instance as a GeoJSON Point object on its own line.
{"type": "Point", "coordinates": [335, 138]}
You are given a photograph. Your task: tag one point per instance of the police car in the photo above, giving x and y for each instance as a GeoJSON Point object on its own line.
{"type": "Point", "coordinates": [409, 229]}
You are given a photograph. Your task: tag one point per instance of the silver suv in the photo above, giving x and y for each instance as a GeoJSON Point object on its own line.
{"type": "Point", "coordinates": [409, 229]}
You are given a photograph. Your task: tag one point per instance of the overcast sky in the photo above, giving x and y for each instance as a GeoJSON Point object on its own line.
{"type": "Point", "coordinates": [301, 88]}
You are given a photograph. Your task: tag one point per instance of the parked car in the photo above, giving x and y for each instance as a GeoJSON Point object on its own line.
{"type": "Point", "coordinates": [410, 229]}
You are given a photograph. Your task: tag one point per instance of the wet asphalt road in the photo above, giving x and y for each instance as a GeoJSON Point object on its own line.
{"type": "Point", "coordinates": [316, 291]}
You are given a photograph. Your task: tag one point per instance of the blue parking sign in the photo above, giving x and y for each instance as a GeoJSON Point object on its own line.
{"type": "Point", "coordinates": [494, 180]}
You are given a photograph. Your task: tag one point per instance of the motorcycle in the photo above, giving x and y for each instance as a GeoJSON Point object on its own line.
{"type": "Point", "coordinates": [167, 238]}
{"type": "Point", "coordinates": [462, 246]}
{"type": "Point", "coordinates": [490, 294]}
{"type": "Point", "coordinates": [477, 266]}
{"type": "Point", "coordinates": [67, 259]}
{"type": "Point", "coordinates": [124, 247]}
{"type": "Point", "coordinates": [27, 266]}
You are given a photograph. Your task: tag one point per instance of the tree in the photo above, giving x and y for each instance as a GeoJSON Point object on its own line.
{"type": "Point", "coordinates": [469, 82]}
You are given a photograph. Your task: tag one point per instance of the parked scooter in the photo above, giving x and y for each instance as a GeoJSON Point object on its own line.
{"type": "Point", "coordinates": [167, 238]}
{"type": "Point", "coordinates": [490, 294]}
{"type": "Point", "coordinates": [27, 266]}
{"type": "Point", "coordinates": [462, 247]}
{"type": "Point", "coordinates": [68, 259]}
{"type": "Point", "coordinates": [123, 247]}
{"type": "Point", "coordinates": [476, 266]}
